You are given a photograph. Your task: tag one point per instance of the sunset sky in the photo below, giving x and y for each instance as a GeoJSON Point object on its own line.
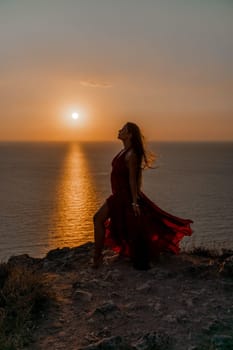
{"type": "Point", "coordinates": [165, 64]}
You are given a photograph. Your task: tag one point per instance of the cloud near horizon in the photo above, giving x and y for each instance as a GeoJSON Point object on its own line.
{"type": "Point", "coordinates": [95, 84]}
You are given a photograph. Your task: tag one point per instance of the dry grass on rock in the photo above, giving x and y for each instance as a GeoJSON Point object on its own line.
{"type": "Point", "coordinates": [23, 295]}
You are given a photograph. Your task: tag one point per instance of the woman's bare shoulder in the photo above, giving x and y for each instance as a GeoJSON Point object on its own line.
{"type": "Point", "coordinates": [131, 156]}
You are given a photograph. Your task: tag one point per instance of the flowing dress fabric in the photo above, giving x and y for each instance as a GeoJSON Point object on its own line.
{"type": "Point", "coordinates": [153, 232]}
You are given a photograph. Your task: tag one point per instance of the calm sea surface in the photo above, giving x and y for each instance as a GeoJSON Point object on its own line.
{"type": "Point", "coordinates": [50, 191]}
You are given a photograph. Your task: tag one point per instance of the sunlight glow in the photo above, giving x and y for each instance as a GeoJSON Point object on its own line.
{"type": "Point", "coordinates": [75, 115]}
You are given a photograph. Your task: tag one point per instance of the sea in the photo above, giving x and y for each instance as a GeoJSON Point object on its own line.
{"type": "Point", "coordinates": [50, 191]}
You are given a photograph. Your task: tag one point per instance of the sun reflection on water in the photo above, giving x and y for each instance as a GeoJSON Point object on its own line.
{"type": "Point", "coordinates": [76, 203]}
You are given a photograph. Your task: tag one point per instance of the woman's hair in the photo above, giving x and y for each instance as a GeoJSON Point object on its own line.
{"type": "Point", "coordinates": [138, 143]}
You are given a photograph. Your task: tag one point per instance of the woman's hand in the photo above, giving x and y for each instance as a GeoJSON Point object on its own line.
{"type": "Point", "coordinates": [132, 163]}
{"type": "Point", "coordinates": [136, 209]}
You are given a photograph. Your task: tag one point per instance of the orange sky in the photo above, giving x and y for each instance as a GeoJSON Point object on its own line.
{"type": "Point", "coordinates": [167, 66]}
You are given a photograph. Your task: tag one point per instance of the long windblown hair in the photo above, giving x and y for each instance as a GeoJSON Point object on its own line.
{"type": "Point", "coordinates": [145, 158]}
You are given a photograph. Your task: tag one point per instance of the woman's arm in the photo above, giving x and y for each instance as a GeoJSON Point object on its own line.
{"type": "Point", "coordinates": [133, 180]}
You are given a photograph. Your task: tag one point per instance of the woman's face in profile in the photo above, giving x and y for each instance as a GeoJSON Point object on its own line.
{"type": "Point", "coordinates": [123, 133]}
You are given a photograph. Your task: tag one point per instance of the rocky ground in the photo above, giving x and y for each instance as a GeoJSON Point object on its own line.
{"type": "Point", "coordinates": [183, 302]}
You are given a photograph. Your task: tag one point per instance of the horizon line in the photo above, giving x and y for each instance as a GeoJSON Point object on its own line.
{"type": "Point", "coordinates": [101, 141]}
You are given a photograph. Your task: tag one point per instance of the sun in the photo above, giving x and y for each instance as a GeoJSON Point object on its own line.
{"type": "Point", "coordinates": [75, 115]}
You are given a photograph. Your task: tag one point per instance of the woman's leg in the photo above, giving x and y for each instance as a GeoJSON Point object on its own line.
{"type": "Point", "coordinates": [99, 231]}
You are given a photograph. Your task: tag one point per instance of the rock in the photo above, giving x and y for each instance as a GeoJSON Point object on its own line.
{"type": "Point", "coordinates": [227, 285]}
{"type": "Point", "coordinates": [136, 306]}
{"type": "Point", "coordinates": [60, 253]}
{"type": "Point", "coordinates": [57, 253]}
{"type": "Point", "coordinates": [93, 305]}
{"type": "Point", "coordinates": [77, 285]}
{"type": "Point", "coordinates": [153, 341]}
{"type": "Point", "coordinates": [213, 326]}
{"type": "Point", "coordinates": [93, 283]}
{"type": "Point", "coordinates": [170, 318]}
{"type": "Point", "coordinates": [24, 260]}
{"type": "Point", "coordinates": [107, 311]}
{"type": "Point", "coordinates": [67, 258]}
{"type": "Point", "coordinates": [82, 295]}
{"type": "Point", "coordinates": [2, 314]}
{"type": "Point", "coordinates": [113, 275]}
{"type": "Point", "coordinates": [157, 306]}
{"type": "Point", "coordinates": [84, 248]}
{"type": "Point", "coordinates": [145, 287]}
{"type": "Point", "coordinates": [104, 333]}
{"type": "Point", "coordinates": [104, 284]}
{"type": "Point", "coordinates": [3, 274]}
{"type": "Point", "coordinates": [181, 315]}
{"type": "Point", "coordinates": [161, 274]}
{"type": "Point", "coordinates": [130, 306]}
{"type": "Point", "coordinates": [116, 295]}
{"type": "Point", "coordinates": [227, 267]}
{"type": "Point", "coordinates": [200, 270]}
{"type": "Point", "coordinates": [112, 343]}
{"type": "Point", "coordinates": [222, 342]}
{"type": "Point", "coordinates": [188, 302]}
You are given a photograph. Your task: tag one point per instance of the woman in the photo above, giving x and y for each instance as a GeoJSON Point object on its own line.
{"type": "Point", "coordinates": [128, 222]}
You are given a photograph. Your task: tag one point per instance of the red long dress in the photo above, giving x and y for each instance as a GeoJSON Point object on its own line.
{"type": "Point", "coordinates": [139, 237]}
